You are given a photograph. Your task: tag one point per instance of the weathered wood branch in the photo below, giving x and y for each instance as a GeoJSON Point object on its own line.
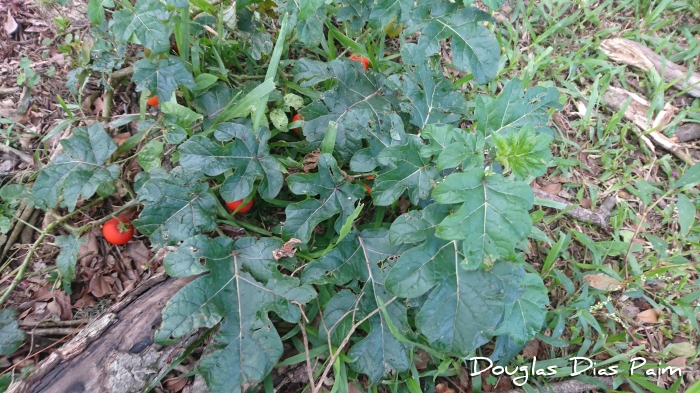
{"type": "Point", "coordinates": [115, 353]}
{"type": "Point", "coordinates": [615, 98]}
{"type": "Point", "coordinates": [637, 55]}
{"type": "Point", "coordinates": [601, 217]}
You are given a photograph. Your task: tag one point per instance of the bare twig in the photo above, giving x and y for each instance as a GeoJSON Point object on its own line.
{"type": "Point", "coordinates": [342, 345]}
{"type": "Point", "coordinates": [309, 370]}
{"type": "Point", "coordinates": [9, 90]}
{"type": "Point", "coordinates": [19, 225]}
{"type": "Point", "coordinates": [22, 156]}
{"type": "Point", "coordinates": [599, 217]}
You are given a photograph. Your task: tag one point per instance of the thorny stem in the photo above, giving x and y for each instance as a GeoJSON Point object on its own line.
{"type": "Point", "coordinates": [335, 355]}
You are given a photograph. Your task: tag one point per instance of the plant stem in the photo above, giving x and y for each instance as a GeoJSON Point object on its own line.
{"type": "Point", "coordinates": [51, 227]}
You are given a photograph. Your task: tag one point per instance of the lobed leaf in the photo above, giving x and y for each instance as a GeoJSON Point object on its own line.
{"type": "Point", "coordinates": [492, 219]}
{"type": "Point", "coordinates": [177, 206]}
{"type": "Point", "coordinates": [336, 196]}
{"type": "Point", "coordinates": [247, 346]}
{"type": "Point", "coordinates": [79, 172]}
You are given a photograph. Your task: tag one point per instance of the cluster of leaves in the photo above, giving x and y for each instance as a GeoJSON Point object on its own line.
{"type": "Point", "coordinates": [449, 273]}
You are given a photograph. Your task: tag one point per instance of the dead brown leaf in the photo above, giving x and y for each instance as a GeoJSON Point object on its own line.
{"type": "Point", "coordinates": [63, 302]}
{"type": "Point", "coordinates": [288, 250]}
{"type": "Point", "coordinates": [648, 316]}
{"type": "Point", "coordinates": [585, 202]}
{"type": "Point", "coordinates": [553, 188]}
{"type": "Point", "coordinates": [176, 384]}
{"type": "Point", "coordinates": [88, 250]}
{"type": "Point", "coordinates": [678, 362]}
{"type": "Point", "coordinates": [442, 388]}
{"type": "Point", "coordinates": [311, 160]}
{"type": "Point", "coordinates": [101, 285]}
{"type": "Point", "coordinates": [404, 204]}
{"type": "Point", "coordinates": [122, 137]}
{"type": "Point", "coordinates": [138, 251]}
{"type": "Point", "coordinates": [603, 282]}
{"type": "Point", "coordinates": [531, 349]}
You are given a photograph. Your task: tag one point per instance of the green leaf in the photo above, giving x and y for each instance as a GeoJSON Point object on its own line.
{"type": "Point", "coordinates": [336, 196]}
{"type": "Point", "coordinates": [429, 97]}
{"type": "Point", "coordinates": [144, 21]}
{"type": "Point", "coordinates": [686, 213]}
{"type": "Point", "coordinates": [356, 12]}
{"type": "Point", "coordinates": [384, 11]}
{"type": "Point", "coordinates": [204, 81]}
{"type": "Point", "coordinates": [11, 336]}
{"type": "Point", "coordinates": [525, 152]}
{"type": "Point", "coordinates": [408, 171]}
{"type": "Point", "coordinates": [690, 176]}
{"type": "Point", "coordinates": [358, 104]}
{"type": "Point", "coordinates": [68, 257]}
{"type": "Point", "coordinates": [464, 307]}
{"type": "Point", "coordinates": [149, 156]}
{"type": "Point", "coordinates": [96, 10]}
{"type": "Point", "coordinates": [79, 171]}
{"type": "Point", "coordinates": [380, 353]}
{"type": "Point", "coordinates": [308, 8]}
{"type": "Point", "coordinates": [247, 346]}
{"type": "Point", "coordinates": [417, 225]}
{"type": "Point", "coordinates": [493, 218]}
{"type": "Point", "coordinates": [494, 4]}
{"type": "Point", "coordinates": [162, 77]}
{"type": "Point", "coordinates": [348, 260]}
{"type": "Point", "coordinates": [514, 108]}
{"type": "Point", "coordinates": [473, 47]}
{"type": "Point", "coordinates": [177, 206]}
{"type": "Point", "coordinates": [365, 257]}
{"type": "Point", "coordinates": [524, 318]}
{"type": "Point", "coordinates": [248, 155]}
{"type": "Point", "coordinates": [467, 152]}
{"type": "Point", "coordinates": [179, 114]}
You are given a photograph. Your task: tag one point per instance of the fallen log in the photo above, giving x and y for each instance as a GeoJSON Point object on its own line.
{"type": "Point", "coordinates": [115, 353]}
{"type": "Point", "coordinates": [637, 55]}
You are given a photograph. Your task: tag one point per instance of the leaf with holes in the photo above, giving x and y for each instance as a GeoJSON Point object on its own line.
{"type": "Point", "coordinates": [407, 172]}
{"type": "Point", "coordinates": [473, 47]}
{"type": "Point", "coordinates": [177, 206]}
{"type": "Point", "coordinates": [336, 196]}
{"type": "Point", "coordinates": [145, 21]}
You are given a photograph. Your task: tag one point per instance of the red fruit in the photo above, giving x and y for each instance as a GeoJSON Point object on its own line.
{"type": "Point", "coordinates": [369, 177]}
{"type": "Point", "coordinates": [234, 205]}
{"type": "Point", "coordinates": [368, 188]}
{"type": "Point", "coordinates": [363, 60]}
{"type": "Point", "coordinates": [297, 117]}
{"type": "Point", "coordinates": [175, 48]}
{"type": "Point", "coordinates": [118, 230]}
{"type": "Point", "coordinates": [153, 101]}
